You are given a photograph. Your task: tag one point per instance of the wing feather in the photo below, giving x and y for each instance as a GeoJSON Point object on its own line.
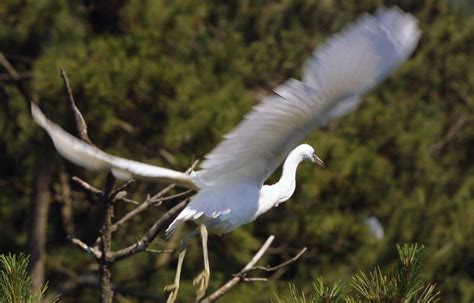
{"type": "Point", "coordinates": [92, 158]}
{"type": "Point", "coordinates": [348, 65]}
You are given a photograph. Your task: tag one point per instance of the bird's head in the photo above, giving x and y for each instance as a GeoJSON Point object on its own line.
{"type": "Point", "coordinates": [308, 153]}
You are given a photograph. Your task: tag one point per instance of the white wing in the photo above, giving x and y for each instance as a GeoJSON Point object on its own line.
{"type": "Point", "coordinates": [349, 64]}
{"type": "Point", "coordinates": [92, 158]}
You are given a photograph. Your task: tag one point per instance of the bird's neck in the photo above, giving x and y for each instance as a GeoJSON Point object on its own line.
{"type": "Point", "coordinates": [272, 195]}
{"type": "Point", "coordinates": [287, 183]}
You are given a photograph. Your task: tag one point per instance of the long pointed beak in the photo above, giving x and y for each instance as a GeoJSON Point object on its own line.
{"type": "Point", "coordinates": [318, 161]}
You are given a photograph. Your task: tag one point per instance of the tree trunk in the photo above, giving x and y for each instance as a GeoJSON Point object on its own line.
{"type": "Point", "coordinates": [106, 293]}
{"type": "Point", "coordinates": [38, 233]}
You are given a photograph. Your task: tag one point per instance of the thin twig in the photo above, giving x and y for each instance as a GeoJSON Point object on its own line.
{"type": "Point", "coordinates": [239, 278]}
{"type": "Point", "coordinates": [120, 197]}
{"type": "Point", "coordinates": [122, 188]}
{"type": "Point", "coordinates": [151, 201]}
{"type": "Point", "coordinates": [276, 267]}
{"type": "Point", "coordinates": [83, 246]}
{"type": "Point", "coordinates": [158, 201]}
{"type": "Point", "coordinates": [143, 206]}
{"type": "Point", "coordinates": [97, 193]}
{"type": "Point", "coordinates": [87, 188]}
{"type": "Point", "coordinates": [251, 266]}
{"type": "Point", "coordinates": [80, 122]}
{"type": "Point", "coordinates": [149, 236]}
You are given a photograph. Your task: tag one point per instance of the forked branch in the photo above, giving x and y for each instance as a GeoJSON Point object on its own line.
{"type": "Point", "coordinates": [251, 266]}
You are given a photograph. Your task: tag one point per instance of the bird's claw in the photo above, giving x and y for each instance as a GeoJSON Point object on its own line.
{"type": "Point", "coordinates": [173, 290]}
{"type": "Point", "coordinates": [202, 280]}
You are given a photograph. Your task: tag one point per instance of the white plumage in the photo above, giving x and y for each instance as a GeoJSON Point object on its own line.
{"type": "Point", "coordinates": [230, 182]}
{"type": "Point", "coordinates": [92, 158]}
{"type": "Point", "coordinates": [232, 176]}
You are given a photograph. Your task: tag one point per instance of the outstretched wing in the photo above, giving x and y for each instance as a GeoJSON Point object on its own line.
{"type": "Point", "coordinates": [348, 65]}
{"type": "Point", "coordinates": [92, 158]}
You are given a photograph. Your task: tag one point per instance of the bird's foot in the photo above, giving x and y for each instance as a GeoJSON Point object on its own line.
{"type": "Point", "coordinates": [202, 280]}
{"type": "Point", "coordinates": [173, 290]}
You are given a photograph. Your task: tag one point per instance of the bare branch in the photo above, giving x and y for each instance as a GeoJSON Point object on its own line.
{"type": "Point", "coordinates": [87, 188]}
{"type": "Point", "coordinates": [143, 206]}
{"type": "Point", "coordinates": [151, 201]}
{"type": "Point", "coordinates": [239, 278]}
{"type": "Point", "coordinates": [121, 188]}
{"type": "Point", "coordinates": [80, 122]}
{"type": "Point", "coordinates": [97, 193]}
{"type": "Point", "coordinates": [251, 266]}
{"type": "Point", "coordinates": [83, 246]}
{"type": "Point", "coordinates": [150, 235]}
{"type": "Point", "coordinates": [156, 201]}
{"type": "Point", "coordinates": [121, 196]}
{"type": "Point", "coordinates": [276, 267]}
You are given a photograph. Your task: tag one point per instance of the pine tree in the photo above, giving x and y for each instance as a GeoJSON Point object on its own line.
{"type": "Point", "coordinates": [15, 284]}
{"type": "Point", "coordinates": [402, 284]}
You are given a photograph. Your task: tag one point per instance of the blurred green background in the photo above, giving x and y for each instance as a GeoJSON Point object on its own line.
{"type": "Point", "coordinates": [161, 78]}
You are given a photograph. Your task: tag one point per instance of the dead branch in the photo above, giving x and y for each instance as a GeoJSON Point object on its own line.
{"type": "Point", "coordinates": [83, 246]}
{"type": "Point", "coordinates": [237, 279]}
{"type": "Point", "coordinates": [157, 198]}
{"type": "Point", "coordinates": [87, 188]}
{"type": "Point", "coordinates": [149, 236]}
{"type": "Point", "coordinates": [121, 188]}
{"type": "Point", "coordinates": [97, 194]}
{"type": "Point", "coordinates": [276, 267]}
{"type": "Point", "coordinates": [251, 266]}
{"type": "Point", "coordinates": [147, 203]}
{"type": "Point", "coordinates": [80, 122]}
{"type": "Point", "coordinates": [121, 197]}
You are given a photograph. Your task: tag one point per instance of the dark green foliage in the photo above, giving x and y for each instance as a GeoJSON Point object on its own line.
{"type": "Point", "coordinates": [403, 284]}
{"type": "Point", "coordinates": [158, 77]}
{"type": "Point", "coordinates": [15, 282]}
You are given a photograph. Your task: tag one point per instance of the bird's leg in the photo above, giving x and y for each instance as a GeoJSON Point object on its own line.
{"type": "Point", "coordinates": [173, 288]}
{"type": "Point", "coordinates": [203, 278]}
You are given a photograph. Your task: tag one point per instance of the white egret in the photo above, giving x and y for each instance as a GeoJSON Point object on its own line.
{"type": "Point", "coordinates": [230, 182]}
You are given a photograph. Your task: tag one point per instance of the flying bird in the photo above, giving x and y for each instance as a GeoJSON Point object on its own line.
{"type": "Point", "coordinates": [230, 182]}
